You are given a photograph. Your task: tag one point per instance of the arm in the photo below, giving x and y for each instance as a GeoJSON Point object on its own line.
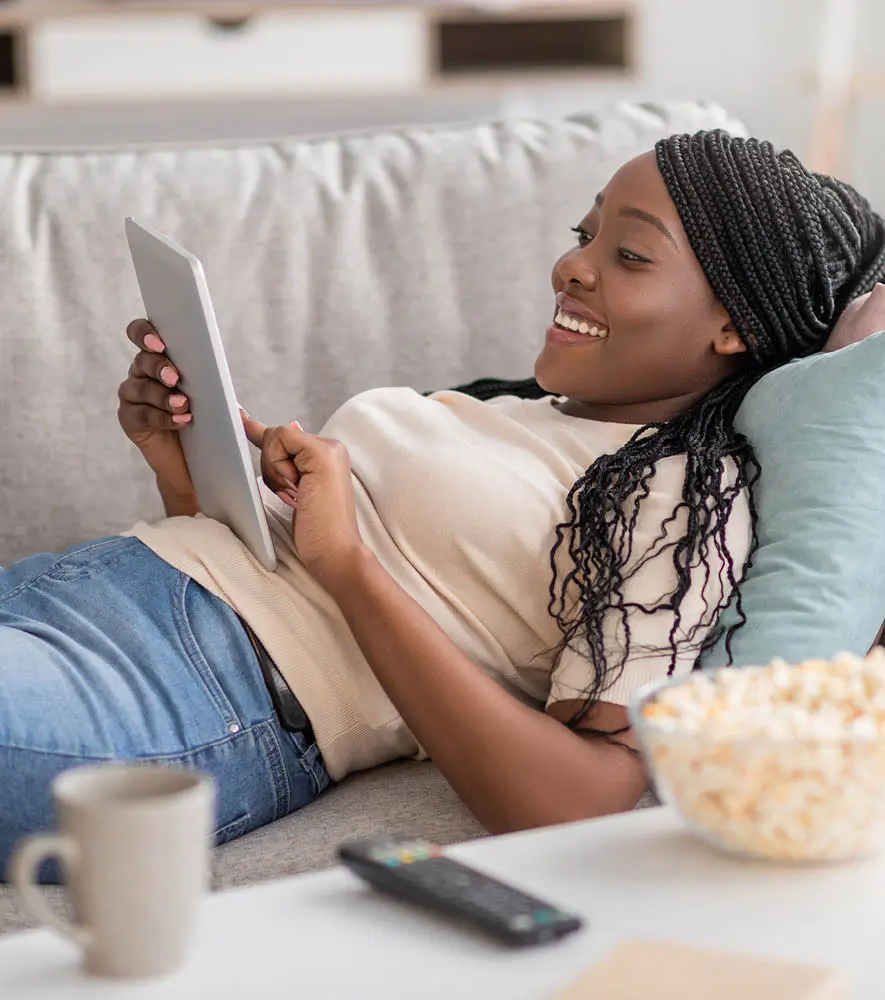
{"type": "Point", "coordinates": [177, 502]}
{"type": "Point", "coordinates": [514, 766]}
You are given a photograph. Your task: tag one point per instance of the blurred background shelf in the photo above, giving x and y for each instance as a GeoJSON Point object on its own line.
{"type": "Point", "coordinates": [86, 52]}
{"type": "Point", "coordinates": [806, 74]}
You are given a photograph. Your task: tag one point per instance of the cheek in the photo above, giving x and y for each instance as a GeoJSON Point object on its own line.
{"type": "Point", "coordinates": [661, 335]}
{"type": "Point", "coordinates": [642, 305]}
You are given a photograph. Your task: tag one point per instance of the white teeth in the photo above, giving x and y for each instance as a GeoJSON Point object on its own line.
{"type": "Point", "coordinates": [578, 325]}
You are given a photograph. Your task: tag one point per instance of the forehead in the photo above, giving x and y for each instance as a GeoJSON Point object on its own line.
{"type": "Point", "coordinates": [639, 183]}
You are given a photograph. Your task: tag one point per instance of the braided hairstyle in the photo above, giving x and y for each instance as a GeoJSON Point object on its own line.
{"type": "Point", "coordinates": [785, 250]}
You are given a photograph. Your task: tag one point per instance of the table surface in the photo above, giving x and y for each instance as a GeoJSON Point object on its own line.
{"type": "Point", "coordinates": [326, 935]}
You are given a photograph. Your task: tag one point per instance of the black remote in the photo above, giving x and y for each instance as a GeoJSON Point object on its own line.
{"type": "Point", "coordinates": [418, 871]}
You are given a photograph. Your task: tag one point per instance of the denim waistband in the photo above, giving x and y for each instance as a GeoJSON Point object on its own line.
{"type": "Point", "coordinates": [290, 712]}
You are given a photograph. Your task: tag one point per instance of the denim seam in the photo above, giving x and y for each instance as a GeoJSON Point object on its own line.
{"type": "Point", "coordinates": [310, 759]}
{"type": "Point", "coordinates": [177, 755]}
{"type": "Point", "coordinates": [195, 653]}
{"type": "Point", "coordinates": [48, 570]}
{"type": "Point", "coordinates": [265, 734]}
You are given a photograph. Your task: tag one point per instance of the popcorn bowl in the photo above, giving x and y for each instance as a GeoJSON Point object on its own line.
{"type": "Point", "coordinates": [783, 794]}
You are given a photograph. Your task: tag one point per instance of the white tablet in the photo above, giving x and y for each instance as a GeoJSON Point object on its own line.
{"type": "Point", "coordinates": [176, 299]}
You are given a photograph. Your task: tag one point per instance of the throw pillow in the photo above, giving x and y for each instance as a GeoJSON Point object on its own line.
{"type": "Point", "coordinates": [817, 583]}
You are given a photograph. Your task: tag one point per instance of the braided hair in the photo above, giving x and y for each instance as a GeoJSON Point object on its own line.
{"type": "Point", "coordinates": [785, 250]}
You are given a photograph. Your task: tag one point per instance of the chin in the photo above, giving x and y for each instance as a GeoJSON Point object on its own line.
{"type": "Point", "coordinates": [548, 378]}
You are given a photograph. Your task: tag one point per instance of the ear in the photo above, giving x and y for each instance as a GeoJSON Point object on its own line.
{"type": "Point", "coordinates": [728, 341]}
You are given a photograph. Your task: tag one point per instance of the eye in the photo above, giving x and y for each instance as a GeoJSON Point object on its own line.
{"type": "Point", "coordinates": [583, 236]}
{"type": "Point", "coordinates": [626, 255]}
{"type": "Point", "coordinates": [631, 258]}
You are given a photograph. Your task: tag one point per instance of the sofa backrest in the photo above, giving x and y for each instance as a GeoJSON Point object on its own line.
{"type": "Point", "coordinates": [414, 257]}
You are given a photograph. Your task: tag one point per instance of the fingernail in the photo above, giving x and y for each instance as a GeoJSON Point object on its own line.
{"type": "Point", "coordinates": [177, 401]}
{"type": "Point", "coordinates": [169, 375]}
{"type": "Point", "coordinates": [154, 343]}
{"type": "Point", "coordinates": [295, 423]}
{"type": "Point", "coordinates": [181, 418]}
{"type": "Point", "coordinates": [243, 408]}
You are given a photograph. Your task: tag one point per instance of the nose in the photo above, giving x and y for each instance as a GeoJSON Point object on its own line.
{"type": "Point", "coordinates": [576, 267]}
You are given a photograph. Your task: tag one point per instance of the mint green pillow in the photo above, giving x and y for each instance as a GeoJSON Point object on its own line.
{"type": "Point", "coordinates": [817, 583]}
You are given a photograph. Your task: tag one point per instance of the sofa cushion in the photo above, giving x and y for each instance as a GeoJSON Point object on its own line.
{"type": "Point", "coordinates": [816, 584]}
{"type": "Point", "coordinates": [415, 257]}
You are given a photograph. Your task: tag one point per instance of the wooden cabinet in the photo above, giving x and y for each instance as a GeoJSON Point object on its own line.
{"type": "Point", "coordinates": [117, 50]}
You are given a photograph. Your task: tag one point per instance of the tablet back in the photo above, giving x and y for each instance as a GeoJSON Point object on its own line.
{"type": "Point", "coordinates": [176, 298]}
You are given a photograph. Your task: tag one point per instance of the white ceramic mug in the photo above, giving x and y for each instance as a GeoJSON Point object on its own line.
{"type": "Point", "coordinates": [134, 843]}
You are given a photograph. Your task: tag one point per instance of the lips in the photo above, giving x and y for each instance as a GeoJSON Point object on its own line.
{"type": "Point", "coordinates": [577, 308]}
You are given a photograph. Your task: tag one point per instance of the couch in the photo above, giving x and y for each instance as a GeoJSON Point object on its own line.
{"type": "Point", "coordinates": [414, 257]}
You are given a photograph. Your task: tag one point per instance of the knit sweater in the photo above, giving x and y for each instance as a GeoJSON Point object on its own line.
{"type": "Point", "coordinates": [459, 500]}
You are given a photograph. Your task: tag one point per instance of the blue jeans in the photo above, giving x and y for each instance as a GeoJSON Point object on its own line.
{"type": "Point", "coordinates": [109, 653]}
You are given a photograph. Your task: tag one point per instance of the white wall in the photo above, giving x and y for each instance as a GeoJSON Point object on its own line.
{"type": "Point", "coordinates": [755, 57]}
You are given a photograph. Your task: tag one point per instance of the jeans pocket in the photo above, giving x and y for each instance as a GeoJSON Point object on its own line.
{"type": "Point", "coordinates": [230, 831]}
{"type": "Point", "coordinates": [92, 558]}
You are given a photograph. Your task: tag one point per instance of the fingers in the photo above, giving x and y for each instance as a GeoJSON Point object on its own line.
{"type": "Point", "coordinates": [157, 367]}
{"type": "Point", "coordinates": [277, 465]}
{"type": "Point", "coordinates": [279, 451]}
{"type": "Point", "coordinates": [146, 406]}
{"type": "Point", "coordinates": [289, 496]}
{"type": "Point", "coordinates": [150, 398]}
{"type": "Point", "coordinates": [142, 334]}
{"type": "Point", "coordinates": [254, 428]}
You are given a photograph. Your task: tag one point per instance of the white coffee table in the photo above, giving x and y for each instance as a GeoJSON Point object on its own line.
{"type": "Point", "coordinates": [325, 935]}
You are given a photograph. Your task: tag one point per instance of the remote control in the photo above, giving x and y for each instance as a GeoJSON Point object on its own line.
{"type": "Point", "coordinates": [418, 871]}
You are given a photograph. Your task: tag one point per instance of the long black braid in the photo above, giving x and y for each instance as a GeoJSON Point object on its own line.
{"type": "Point", "coordinates": [785, 250]}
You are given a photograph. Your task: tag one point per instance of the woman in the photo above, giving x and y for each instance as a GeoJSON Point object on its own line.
{"type": "Point", "coordinates": [450, 566]}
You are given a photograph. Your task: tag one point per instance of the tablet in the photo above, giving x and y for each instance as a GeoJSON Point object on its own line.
{"type": "Point", "coordinates": [176, 301]}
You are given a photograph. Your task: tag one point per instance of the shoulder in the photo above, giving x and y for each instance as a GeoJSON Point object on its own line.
{"type": "Point", "coordinates": [666, 513]}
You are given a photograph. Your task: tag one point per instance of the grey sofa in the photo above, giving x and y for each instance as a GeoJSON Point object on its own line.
{"type": "Point", "coordinates": [416, 257]}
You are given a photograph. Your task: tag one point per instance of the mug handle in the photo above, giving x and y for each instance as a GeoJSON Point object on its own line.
{"type": "Point", "coordinates": [22, 872]}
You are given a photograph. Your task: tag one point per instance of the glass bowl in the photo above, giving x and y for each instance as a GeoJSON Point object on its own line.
{"type": "Point", "coordinates": [783, 798]}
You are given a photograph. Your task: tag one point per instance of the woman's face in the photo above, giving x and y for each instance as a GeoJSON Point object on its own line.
{"type": "Point", "coordinates": [662, 339]}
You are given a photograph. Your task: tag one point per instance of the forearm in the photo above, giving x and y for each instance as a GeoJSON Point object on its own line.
{"type": "Point", "coordinates": [514, 766]}
{"type": "Point", "coordinates": [177, 502]}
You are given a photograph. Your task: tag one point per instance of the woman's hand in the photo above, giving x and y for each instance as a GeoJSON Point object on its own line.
{"type": "Point", "coordinates": [860, 318]}
{"type": "Point", "coordinates": [312, 475]}
{"type": "Point", "coordinates": [152, 411]}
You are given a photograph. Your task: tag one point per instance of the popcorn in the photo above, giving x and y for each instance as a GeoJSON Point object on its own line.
{"type": "Point", "coordinates": [784, 762]}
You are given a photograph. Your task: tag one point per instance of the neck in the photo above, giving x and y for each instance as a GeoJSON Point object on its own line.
{"type": "Point", "coordinates": [655, 411]}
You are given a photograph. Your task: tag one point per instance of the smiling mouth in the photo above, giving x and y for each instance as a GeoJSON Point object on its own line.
{"type": "Point", "coordinates": [577, 324]}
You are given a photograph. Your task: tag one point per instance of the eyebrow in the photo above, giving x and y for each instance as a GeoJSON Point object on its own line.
{"type": "Point", "coordinates": [638, 213]}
